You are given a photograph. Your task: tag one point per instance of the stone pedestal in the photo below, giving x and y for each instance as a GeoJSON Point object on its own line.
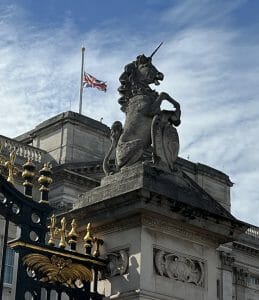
{"type": "Point", "coordinates": [160, 233]}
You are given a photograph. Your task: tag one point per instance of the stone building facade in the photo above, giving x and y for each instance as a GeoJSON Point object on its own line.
{"type": "Point", "coordinates": [158, 248]}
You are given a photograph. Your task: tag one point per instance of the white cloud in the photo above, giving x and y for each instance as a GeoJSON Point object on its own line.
{"type": "Point", "coordinates": [214, 74]}
{"type": "Point", "coordinates": [212, 71]}
{"type": "Point", "coordinates": [203, 12]}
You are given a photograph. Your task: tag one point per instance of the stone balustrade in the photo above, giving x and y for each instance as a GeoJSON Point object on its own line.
{"type": "Point", "coordinates": [253, 231]}
{"type": "Point", "coordinates": [22, 150]}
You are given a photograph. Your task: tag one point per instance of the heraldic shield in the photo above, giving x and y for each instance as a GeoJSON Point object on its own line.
{"type": "Point", "coordinates": [165, 139]}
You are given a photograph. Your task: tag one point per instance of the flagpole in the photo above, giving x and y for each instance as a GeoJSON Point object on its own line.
{"type": "Point", "coordinates": [81, 82]}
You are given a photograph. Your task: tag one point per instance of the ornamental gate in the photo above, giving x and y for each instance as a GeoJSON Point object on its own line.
{"type": "Point", "coordinates": [43, 270]}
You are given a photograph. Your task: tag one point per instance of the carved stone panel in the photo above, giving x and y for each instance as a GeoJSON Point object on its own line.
{"type": "Point", "coordinates": [180, 267]}
{"type": "Point", "coordinates": [118, 263]}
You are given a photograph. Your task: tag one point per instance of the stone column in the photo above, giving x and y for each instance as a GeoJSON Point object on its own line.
{"type": "Point", "coordinates": [227, 262]}
{"type": "Point", "coordinates": [240, 277]}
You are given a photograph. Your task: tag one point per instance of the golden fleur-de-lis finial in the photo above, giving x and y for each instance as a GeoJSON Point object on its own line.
{"type": "Point", "coordinates": [62, 231]}
{"type": "Point", "coordinates": [72, 235]}
{"type": "Point", "coordinates": [52, 230]}
{"type": "Point", "coordinates": [88, 238]}
{"type": "Point", "coordinates": [12, 170]}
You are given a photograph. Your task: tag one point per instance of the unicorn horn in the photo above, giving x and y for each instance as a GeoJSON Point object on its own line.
{"type": "Point", "coordinates": [156, 50]}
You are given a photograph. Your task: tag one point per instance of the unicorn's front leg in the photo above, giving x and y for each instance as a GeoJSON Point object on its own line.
{"type": "Point", "coordinates": [175, 114]}
{"type": "Point", "coordinates": [165, 96]}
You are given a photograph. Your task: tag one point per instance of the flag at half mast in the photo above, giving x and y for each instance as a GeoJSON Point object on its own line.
{"type": "Point", "coordinates": [91, 81]}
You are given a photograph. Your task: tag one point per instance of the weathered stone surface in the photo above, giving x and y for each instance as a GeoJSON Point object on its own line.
{"type": "Point", "coordinates": [70, 137]}
{"type": "Point", "coordinates": [177, 186]}
{"type": "Point", "coordinates": [149, 212]}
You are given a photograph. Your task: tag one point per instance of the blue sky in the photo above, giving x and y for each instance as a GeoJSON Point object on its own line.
{"type": "Point", "coordinates": [210, 59]}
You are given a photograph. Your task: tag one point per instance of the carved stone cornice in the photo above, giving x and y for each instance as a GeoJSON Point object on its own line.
{"type": "Point", "coordinates": [120, 225]}
{"type": "Point", "coordinates": [74, 177]}
{"type": "Point", "coordinates": [246, 248]}
{"type": "Point", "coordinates": [170, 194]}
{"type": "Point", "coordinates": [180, 230]}
{"type": "Point", "coordinates": [155, 213]}
{"type": "Point", "coordinates": [180, 267]}
{"type": "Point", "coordinates": [162, 224]}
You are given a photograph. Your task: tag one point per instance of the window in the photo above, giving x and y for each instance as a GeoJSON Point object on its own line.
{"type": "Point", "coordinates": [218, 288]}
{"type": "Point", "coordinates": [253, 280]}
{"type": "Point", "coordinates": [8, 270]}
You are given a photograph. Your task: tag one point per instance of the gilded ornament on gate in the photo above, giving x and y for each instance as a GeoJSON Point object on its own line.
{"type": "Point", "coordinates": [88, 237]}
{"type": "Point", "coordinates": [57, 269]}
{"type": "Point", "coordinates": [73, 235]}
{"type": "Point", "coordinates": [45, 177]}
{"type": "Point", "coordinates": [62, 231]}
{"type": "Point", "coordinates": [53, 230]}
{"type": "Point", "coordinates": [12, 170]}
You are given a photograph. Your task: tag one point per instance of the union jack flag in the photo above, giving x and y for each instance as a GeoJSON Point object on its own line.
{"type": "Point", "coordinates": [91, 81]}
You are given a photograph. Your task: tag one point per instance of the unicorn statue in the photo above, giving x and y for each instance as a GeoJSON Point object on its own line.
{"type": "Point", "coordinates": [149, 133]}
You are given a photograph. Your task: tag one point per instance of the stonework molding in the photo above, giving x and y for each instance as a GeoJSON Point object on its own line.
{"type": "Point", "coordinates": [118, 263]}
{"type": "Point", "coordinates": [159, 224]}
{"type": "Point", "coordinates": [117, 226]}
{"type": "Point", "coordinates": [63, 175]}
{"type": "Point", "coordinates": [241, 276]}
{"type": "Point", "coordinates": [227, 260]}
{"type": "Point", "coordinates": [179, 230]}
{"type": "Point", "coordinates": [180, 267]}
{"type": "Point", "coordinates": [246, 248]}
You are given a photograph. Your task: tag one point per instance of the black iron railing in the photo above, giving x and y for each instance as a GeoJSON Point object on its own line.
{"type": "Point", "coordinates": [47, 261]}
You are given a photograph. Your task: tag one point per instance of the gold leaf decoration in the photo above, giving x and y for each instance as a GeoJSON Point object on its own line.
{"type": "Point", "coordinates": [57, 269]}
{"type": "Point", "coordinates": [12, 170]}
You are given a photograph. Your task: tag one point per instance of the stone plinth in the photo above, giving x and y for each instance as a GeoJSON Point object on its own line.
{"type": "Point", "coordinates": [161, 232]}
